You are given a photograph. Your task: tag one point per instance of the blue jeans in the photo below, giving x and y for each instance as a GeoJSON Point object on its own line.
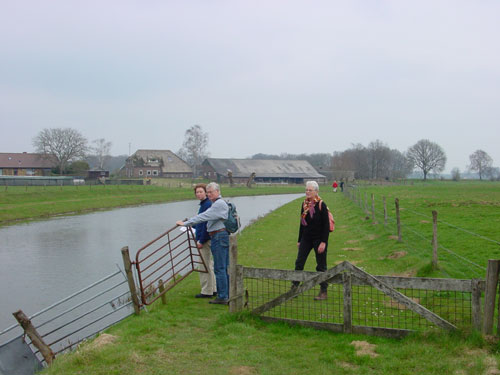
{"type": "Point", "coordinates": [220, 252]}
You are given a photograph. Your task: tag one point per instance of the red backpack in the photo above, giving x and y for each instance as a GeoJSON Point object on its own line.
{"type": "Point", "coordinates": [330, 217]}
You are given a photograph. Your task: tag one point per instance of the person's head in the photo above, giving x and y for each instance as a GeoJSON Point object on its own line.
{"type": "Point", "coordinates": [312, 189]}
{"type": "Point", "coordinates": [213, 191]}
{"type": "Point", "coordinates": [200, 190]}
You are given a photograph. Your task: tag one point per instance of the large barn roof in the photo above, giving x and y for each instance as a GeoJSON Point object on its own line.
{"type": "Point", "coordinates": [171, 162]}
{"type": "Point", "coordinates": [264, 168]}
{"type": "Point", "coordinates": [25, 160]}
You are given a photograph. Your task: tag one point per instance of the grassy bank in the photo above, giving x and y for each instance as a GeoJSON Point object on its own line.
{"type": "Point", "coordinates": [189, 336]}
{"type": "Point", "coordinates": [22, 203]}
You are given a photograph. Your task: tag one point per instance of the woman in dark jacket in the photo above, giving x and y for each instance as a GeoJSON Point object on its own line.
{"type": "Point", "coordinates": [313, 233]}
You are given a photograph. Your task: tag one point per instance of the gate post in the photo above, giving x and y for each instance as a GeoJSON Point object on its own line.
{"type": "Point", "coordinates": [130, 279]}
{"type": "Point", "coordinates": [35, 337]}
{"type": "Point", "coordinates": [233, 278]}
{"type": "Point", "coordinates": [490, 295]}
{"type": "Point", "coordinates": [476, 304]}
{"type": "Point", "coordinates": [347, 282]}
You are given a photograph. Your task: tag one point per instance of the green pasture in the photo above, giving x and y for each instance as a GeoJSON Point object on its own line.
{"type": "Point", "coordinates": [32, 202]}
{"type": "Point", "coordinates": [189, 336]}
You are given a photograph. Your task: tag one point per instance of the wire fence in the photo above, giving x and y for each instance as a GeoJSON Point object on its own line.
{"type": "Point", "coordinates": [459, 247]}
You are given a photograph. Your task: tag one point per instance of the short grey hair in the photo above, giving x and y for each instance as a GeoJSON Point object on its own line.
{"type": "Point", "coordinates": [213, 186]}
{"type": "Point", "coordinates": [312, 184]}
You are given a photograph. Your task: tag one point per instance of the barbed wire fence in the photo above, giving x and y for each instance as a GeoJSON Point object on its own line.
{"type": "Point", "coordinates": [419, 232]}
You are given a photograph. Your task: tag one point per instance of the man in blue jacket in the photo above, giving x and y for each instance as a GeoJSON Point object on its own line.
{"type": "Point", "coordinates": [207, 279]}
{"type": "Point", "coordinates": [219, 237]}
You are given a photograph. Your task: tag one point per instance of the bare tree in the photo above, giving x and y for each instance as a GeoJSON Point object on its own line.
{"type": "Point", "coordinates": [194, 148]}
{"type": "Point", "coordinates": [427, 156]}
{"type": "Point", "coordinates": [480, 162]}
{"type": "Point", "coordinates": [455, 174]}
{"type": "Point", "coordinates": [101, 150]}
{"type": "Point", "coordinates": [62, 144]}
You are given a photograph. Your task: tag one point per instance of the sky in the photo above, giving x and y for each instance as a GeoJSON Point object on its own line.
{"type": "Point", "coordinates": [258, 76]}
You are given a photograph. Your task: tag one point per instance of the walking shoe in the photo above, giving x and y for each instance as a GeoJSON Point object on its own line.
{"type": "Point", "coordinates": [219, 301]}
{"type": "Point", "coordinates": [214, 294]}
{"type": "Point", "coordinates": [201, 295]}
{"type": "Point", "coordinates": [321, 296]}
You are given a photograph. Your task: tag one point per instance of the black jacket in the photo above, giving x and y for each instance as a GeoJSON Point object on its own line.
{"type": "Point", "coordinates": [318, 226]}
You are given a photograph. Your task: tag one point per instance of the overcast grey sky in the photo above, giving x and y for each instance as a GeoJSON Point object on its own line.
{"type": "Point", "coordinates": [258, 76]}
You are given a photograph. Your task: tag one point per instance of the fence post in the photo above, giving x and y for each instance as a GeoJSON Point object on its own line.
{"type": "Point", "coordinates": [346, 279]}
{"type": "Point", "coordinates": [366, 200]}
{"type": "Point", "coordinates": [373, 209]}
{"type": "Point", "coordinates": [490, 295]}
{"type": "Point", "coordinates": [130, 279]}
{"type": "Point", "coordinates": [385, 212]}
{"type": "Point", "coordinates": [476, 304]}
{"type": "Point", "coordinates": [35, 337]}
{"type": "Point", "coordinates": [434, 240]}
{"type": "Point", "coordinates": [161, 288]}
{"type": "Point", "coordinates": [233, 261]}
{"type": "Point", "coordinates": [398, 220]}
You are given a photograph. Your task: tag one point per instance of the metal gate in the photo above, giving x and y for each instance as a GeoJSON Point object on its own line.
{"type": "Point", "coordinates": [165, 261]}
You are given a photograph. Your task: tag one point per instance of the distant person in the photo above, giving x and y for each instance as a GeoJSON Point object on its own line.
{"type": "Point", "coordinates": [335, 186]}
{"type": "Point", "coordinates": [207, 280]}
{"type": "Point", "coordinates": [219, 238]}
{"type": "Point", "coordinates": [313, 234]}
{"type": "Point", "coordinates": [341, 186]}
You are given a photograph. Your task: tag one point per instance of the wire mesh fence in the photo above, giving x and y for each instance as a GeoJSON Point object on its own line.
{"type": "Point", "coordinates": [455, 301]}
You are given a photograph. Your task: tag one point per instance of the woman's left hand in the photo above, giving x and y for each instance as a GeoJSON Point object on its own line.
{"type": "Point", "coordinates": [321, 247]}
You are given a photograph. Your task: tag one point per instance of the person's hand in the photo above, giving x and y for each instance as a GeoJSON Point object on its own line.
{"type": "Point", "coordinates": [298, 244]}
{"type": "Point", "coordinates": [199, 245]}
{"type": "Point", "coordinates": [179, 223]}
{"type": "Point", "coordinates": [321, 247]}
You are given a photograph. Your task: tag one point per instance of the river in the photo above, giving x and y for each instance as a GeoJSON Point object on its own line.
{"type": "Point", "coordinates": [45, 261]}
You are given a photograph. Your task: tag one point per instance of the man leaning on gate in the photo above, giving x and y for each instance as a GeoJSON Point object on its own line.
{"type": "Point", "coordinates": [219, 238]}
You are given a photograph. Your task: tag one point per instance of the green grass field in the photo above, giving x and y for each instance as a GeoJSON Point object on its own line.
{"type": "Point", "coordinates": [33, 202]}
{"type": "Point", "coordinates": [189, 336]}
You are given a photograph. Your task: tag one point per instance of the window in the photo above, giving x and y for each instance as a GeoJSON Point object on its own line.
{"type": "Point", "coordinates": [148, 172]}
{"type": "Point", "coordinates": [30, 172]}
{"type": "Point", "coordinates": [1, 171]}
{"type": "Point", "coordinates": [155, 173]}
{"type": "Point", "coordinates": [141, 172]}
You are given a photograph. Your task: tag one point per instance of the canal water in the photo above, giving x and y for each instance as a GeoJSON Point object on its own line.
{"type": "Point", "coordinates": [45, 261]}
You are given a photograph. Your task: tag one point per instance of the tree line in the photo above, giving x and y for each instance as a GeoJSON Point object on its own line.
{"type": "Point", "coordinates": [72, 152]}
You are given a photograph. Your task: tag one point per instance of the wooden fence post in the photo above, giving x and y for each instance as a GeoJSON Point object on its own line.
{"type": "Point", "coordinates": [373, 209]}
{"type": "Point", "coordinates": [434, 240]}
{"type": "Point", "coordinates": [398, 220]}
{"type": "Point", "coordinates": [490, 295]}
{"type": "Point", "coordinates": [161, 288]}
{"type": "Point", "coordinates": [385, 212]}
{"type": "Point", "coordinates": [476, 304]}
{"type": "Point", "coordinates": [366, 200]}
{"type": "Point", "coordinates": [347, 281]}
{"type": "Point", "coordinates": [130, 279]}
{"type": "Point", "coordinates": [233, 261]}
{"type": "Point", "coordinates": [35, 337]}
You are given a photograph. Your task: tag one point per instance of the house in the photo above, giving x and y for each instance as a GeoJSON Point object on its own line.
{"type": "Point", "coordinates": [155, 163]}
{"type": "Point", "coordinates": [25, 164]}
{"type": "Point", "coordinates": [264, 171]}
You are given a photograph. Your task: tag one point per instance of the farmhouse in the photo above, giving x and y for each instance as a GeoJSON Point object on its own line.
{"type": "Point", "coordinates": [265, 171]}
{"type": "Point", "coordinates": [25, 164]}
{"type": "Point", "coordinates": [155, 163]}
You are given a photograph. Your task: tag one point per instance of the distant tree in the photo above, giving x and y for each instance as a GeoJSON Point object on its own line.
{"type": "Point", "coordinates": [493, 173]}
{"type": "Point", "coordinates": [62, 144]}
{"type": "Point", "coordinates": [78, 168]}
{"type": "Point", "coordinates": [427, 156]}
{"type": "Point", "coordinates": [101, 150]}
{"type": "Point", "coordinates": [480, 161]}
{"type": "Point", "coordinates": [194, 148]}
{"type": "Point", "coordinates": [455, 174]}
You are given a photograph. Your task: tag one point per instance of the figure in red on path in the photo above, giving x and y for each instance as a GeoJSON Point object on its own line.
{"type": "Point", "coordinates": [335, 186]}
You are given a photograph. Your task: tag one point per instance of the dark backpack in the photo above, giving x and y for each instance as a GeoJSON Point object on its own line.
{"type": "Point", "coordinates": [232, 223]}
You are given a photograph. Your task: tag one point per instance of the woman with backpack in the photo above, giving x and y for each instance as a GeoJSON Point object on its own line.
{"type": "Point", "coordinates": [313, 234]}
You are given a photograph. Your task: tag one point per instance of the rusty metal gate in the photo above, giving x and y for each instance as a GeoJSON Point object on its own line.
{"type": "Point", "coordinates": [361, 303]}
{"type": "Point", "coordinates": [165, 261]}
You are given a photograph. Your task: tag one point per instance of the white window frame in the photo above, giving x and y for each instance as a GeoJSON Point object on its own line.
{"type": "Point", "coordinates": [141, 172]}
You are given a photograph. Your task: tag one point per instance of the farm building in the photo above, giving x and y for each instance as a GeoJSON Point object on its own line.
{"type": "Point", "coordinates": [155, 163]}
{"type": "Point", "coordinates": [25, 164]}
{"type": "Point", "coordinates": [265, 171]}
